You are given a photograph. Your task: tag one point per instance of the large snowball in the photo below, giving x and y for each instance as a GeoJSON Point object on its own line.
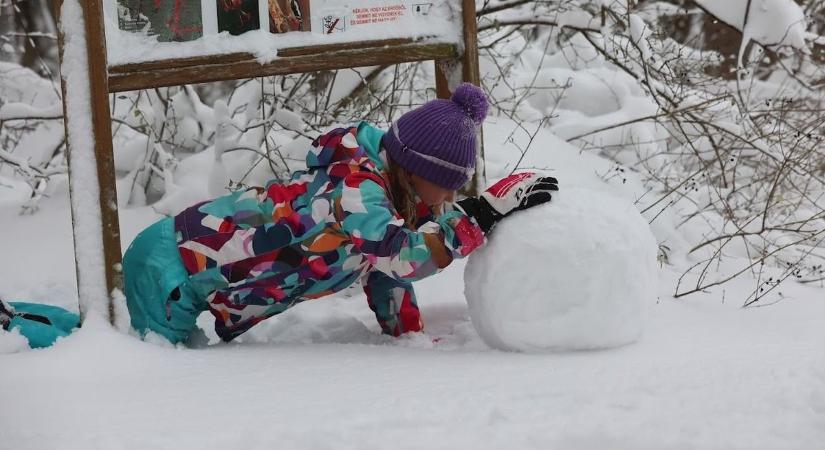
{"type": "Point", "coordinates": [574, 274]}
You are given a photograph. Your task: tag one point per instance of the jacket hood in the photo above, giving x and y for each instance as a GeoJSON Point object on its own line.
{"type": "Point", "coordinates": [354, 143]}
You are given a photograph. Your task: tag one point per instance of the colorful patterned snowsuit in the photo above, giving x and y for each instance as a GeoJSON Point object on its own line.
{"type": "Point", "coordinates": [261, 251]}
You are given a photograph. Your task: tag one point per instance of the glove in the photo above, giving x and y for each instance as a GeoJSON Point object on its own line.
{"type": "Point", "coordinates": [513, 193]}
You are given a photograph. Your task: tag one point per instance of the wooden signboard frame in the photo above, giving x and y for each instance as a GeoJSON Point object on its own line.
{"type": "Point", "coordinates": [453, 63]}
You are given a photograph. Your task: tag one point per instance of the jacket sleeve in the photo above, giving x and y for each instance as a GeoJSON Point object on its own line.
{"type": "Point", "coordinates": [368, 217]}
{"type": "Point", "coordinates": [393, 303]}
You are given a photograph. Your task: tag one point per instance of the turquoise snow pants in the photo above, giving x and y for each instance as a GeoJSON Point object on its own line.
{"type": "Point", "coordinates": [41, 324]}
{"type": "Point", "coordinates": [159, 295]}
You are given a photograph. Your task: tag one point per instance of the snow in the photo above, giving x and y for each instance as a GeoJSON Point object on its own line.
{"type": "Point", "coordinates": [12, 341]}
{"type": "Point", "coordinates": [223, 130]}
{"type": "Point", "coordinates": [529, 290]}
{"type": "Point", "coordinates": [85, 189]}
{"type": "Point", "coordinates": [639, 32]}
{"type": "Point", "coordinates": [19, 84]}
{"type": "Point", "coordinates": [37, 259]}
{"type": "Point", "coordinates": [13, 191]}
{"type": "Point", "coordinates": [13, 111]}
{"type": "Point", "coordinates": [289, 119]}
{"type": "Point", "coordinates": [24, 94]}
{"type": "Point", "coordinates": [769, 22]}
{"type": "Point", "coordinates": [705, 375]}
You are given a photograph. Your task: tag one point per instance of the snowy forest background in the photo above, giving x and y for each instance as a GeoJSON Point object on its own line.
{"type": "Point", "coordinates": [722, 128]}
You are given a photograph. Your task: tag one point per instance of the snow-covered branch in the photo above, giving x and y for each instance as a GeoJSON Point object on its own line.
{"type": "Point", "coordinates": [25, 111]}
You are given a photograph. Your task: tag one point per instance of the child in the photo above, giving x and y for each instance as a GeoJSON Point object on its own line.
{"type": "Point", "coordinates": [371, 205]}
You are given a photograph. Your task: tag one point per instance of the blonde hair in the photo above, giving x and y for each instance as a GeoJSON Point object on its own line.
{"type": "Point", "coordinates": [403, 195]}
{"type": "Point", "coordinates": [402, 192]}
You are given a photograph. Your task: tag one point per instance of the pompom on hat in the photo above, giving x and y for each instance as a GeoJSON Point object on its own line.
{"type": "Point", "coordinates": [437, 140]}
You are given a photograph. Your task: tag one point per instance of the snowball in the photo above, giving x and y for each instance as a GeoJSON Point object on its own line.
{"type": "Point", "coordinates": [574, 274]}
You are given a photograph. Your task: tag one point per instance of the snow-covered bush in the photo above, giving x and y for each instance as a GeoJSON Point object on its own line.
{"type": "Point", "coordinates": [725, 133]}
{"type": "Point", "coordinates": [32, 140]}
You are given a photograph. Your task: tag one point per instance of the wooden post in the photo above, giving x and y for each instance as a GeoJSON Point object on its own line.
{"type": "Point", "coordinates": [446, 79]}
{"type": "Point", "coordinates": [88, 248]}
{"type": "Point", "coordinates": [443, 87]}
{"type": "Point", "coordinates": [469, 60]}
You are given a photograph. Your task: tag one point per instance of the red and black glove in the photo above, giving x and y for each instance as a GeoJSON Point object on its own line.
{"type": "Point", "coordinates": [513, 193]}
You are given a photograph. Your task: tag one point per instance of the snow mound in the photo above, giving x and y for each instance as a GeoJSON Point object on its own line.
{"type": "Point", "coordinates": [571, 275]}
{"type": "Point", "coordinates": [12, 341]}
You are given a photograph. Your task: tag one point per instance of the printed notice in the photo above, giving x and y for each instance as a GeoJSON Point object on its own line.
{"type": "Point", "coordinates": [377, 14]}
{"type": "Point", "coordinates": [335, 16]}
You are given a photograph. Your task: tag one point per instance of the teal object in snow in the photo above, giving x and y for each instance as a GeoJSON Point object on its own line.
{"type": "Point", "coordinates": [158, 292]}
{"type": "Point", "coordinates": [42, 324]}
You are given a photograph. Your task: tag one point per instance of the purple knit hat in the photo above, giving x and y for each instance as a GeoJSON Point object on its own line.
{"type": "Point", "coordinates": [437, 140]}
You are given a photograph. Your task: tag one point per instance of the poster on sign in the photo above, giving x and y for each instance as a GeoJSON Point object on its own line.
{"type": "Point", "coordinates": [289, 15]}
{"type": "Point", "coordinates": [169, 20]}
{"type": "Point", "coordinates": [238, 16]}
{"type": "Point", "coordinates": [335, 16]}
{"type": "Point", "coordinates": [186, 20]}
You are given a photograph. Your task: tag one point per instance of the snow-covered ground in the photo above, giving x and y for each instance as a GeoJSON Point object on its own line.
{"type": "Point", "coordinates": [706, 373]}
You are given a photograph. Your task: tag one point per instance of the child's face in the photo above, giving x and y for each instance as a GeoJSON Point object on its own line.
{"type": "Point", "coordinates": [430, 193]}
